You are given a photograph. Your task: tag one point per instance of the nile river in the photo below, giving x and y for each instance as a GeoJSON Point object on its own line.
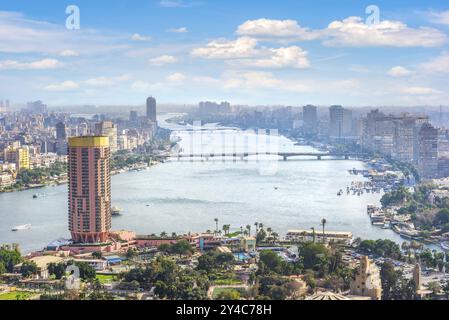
{"type": "Point", "coordinates": [182, 196]}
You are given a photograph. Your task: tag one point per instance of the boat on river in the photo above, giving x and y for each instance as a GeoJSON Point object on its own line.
{"type": "Point", "coordinates": [21, 227]}
{"type": "Point", "coordinates": [115, 211]}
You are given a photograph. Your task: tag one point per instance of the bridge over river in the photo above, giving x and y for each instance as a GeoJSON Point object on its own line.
{"type": "Point", "coordinates": [243, 156]}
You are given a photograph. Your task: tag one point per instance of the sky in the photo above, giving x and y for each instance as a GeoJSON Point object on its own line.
{"type": "Point", "coordinates": [253, 52]}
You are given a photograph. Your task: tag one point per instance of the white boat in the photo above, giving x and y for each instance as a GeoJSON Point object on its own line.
{"type": "Point", "coordinates": [22, 227]}
{"type": "Point", "coordinates": [115, 211]}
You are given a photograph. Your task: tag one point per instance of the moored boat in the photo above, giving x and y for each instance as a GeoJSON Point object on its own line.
{"type": "Point", "coordinates": [116, 211]}
{"type": "Point", "coordinates": [21, 227]}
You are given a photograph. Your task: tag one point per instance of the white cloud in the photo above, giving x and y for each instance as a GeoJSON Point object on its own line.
{"type": "Point", "coordinates": [63, 86]}
{"type": "Point", "coordinates": [206, 80]}
{"type": "Point", "coordinates": [256, 80]}
{"type": "Point", "coordinates": [227, 49]}
{"type": "Point", "coordinates": [275, 28]}
{"type": "Point", "coordinates": [142, 86]}
{"type": "Point", "coordinates": [245, 52]}
{"type": "Point", "coordinates": [440, 17]}
{"type": "Point", "coordinates": [35, 65]}
{"type": "Point", "coordinates": [176, 78]}
{"type": "Point", "coordinates": [106, 81]}
{"type": "Point", "coordinates": [437, 65]}
{"type": "Point", "coordinates": [69, 53]}
{"type": "Point", "coordinates": [163, 60]}
{"type": "Point", "coordinates": [354, 32]}
{"type": "Point", "coordinates": [420, 91]}
{"type": "Point", "coordinates": [139, 37]}
{"type": "Point", "coordinates": [176, 4]}
{"type": "Point", "coordinates": [399, 71]}
{"type": "Point", "coordinates": [289, 57]}
{"type": "Point", "coordinates": [178, 30]}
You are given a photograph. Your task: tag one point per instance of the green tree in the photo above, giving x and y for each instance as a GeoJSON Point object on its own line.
{"type": "Point", "coordinates": [314, 256]}
{"type": "Point", "coordinates": [229, 295]}
{"type": "Point", "coordinates": [181, 247]}
{"type": "Point", "coordinates": [97, 254]}
{"type": "Point", "coordinates": [87, 272]}
{"type": "Point", "coordinates": [323, 224]}
{"type": "Point", "coordinates": [57, 269]}
{"type": "Point", "coordinates": [390, 280]}
{"type": "Point", "coordinates": [9, 257]}
{"type": "Point", "coordinates": [28, 268]}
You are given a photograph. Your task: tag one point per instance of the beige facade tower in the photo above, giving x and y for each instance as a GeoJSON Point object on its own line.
{"type": "Point", "coordinates": [89, 189]}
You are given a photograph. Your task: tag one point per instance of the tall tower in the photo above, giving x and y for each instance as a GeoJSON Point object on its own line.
{"type": "Point", "coordinates": [61, 132]}
{"type": "Point", "coordinates": [310, 119]}
{"type": "Point", "coordinates": [89, 188]}
{"type": "Point", "coordinates": [336, 114]}
{"type": "Point", "coordinates": [151, 109]}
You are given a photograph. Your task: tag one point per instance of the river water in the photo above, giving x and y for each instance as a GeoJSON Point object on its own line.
{"type": "Point", "coordinates": [182, 196]}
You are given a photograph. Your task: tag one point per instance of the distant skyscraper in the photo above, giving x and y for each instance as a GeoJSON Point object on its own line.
{"type": "Point", "coordinates": [428, 151]}
{"type": "Point", "coordinates": [61, 133]}
{"type": "Point", "coordinates": [133, 116]}
{"type": "Point", "coordinates": [310, 119]}
{"type": "Point", "coordinates": [336, 115]}
{"type": "Point", "coordinates": [208, 107]}
{"type": "Point", "coordinates": [89, 189]}
{"type": "Point", "coordinates": [109, 129]}
{"type": "Point", "coordinates": [37, 107]}
{"type": "Point", "coordinates": [4, 106]}
{"type": "Point", "coordinates": [151, 109]}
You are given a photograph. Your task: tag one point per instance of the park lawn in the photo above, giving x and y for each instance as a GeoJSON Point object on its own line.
{"type": "Point", "coordinates": [16, 295]}
{"type": "Point", "coordinates": [105, 278]}
{"type": "Point", "coordinates": [227, 282]}
{"type": "Point", "coordinates": [217, 291]}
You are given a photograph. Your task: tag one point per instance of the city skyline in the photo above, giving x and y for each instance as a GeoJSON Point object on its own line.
{"type": "Point", "coordinates": [189, 51]}
{"type": "Point", "coordinates": [181, 150]}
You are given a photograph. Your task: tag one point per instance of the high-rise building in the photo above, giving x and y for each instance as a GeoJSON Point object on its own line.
{"type": "Point", "coordinates": [428, 151]}
{"type": "Point", "coordinates": [61, 133]}
{"type": "Point", "coordinates": [20, 156]}
{"type": "Point", "coordinates": [336, 115]}
{"type": "Point", "coordinates": [208, 107]}
{"type": "Point", "coordinates": [89, 189]}
{"type": "Point", "coordinates": [4, 106]}
{"type": "Point", "coordinates": [310, 120]}
{"type": "Point", "coordinates": [37, 107]}
{"type": "Point", "coordinates": [133, 116]}
{"type": "Point", "coordinates": [346, 125]}
{"type": "Point", "coordinates": [151, 109]}
{"type": "Point", "coordinates": [109, 129]}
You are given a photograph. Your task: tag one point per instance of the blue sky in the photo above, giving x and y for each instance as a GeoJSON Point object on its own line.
{"type": "Point", "coordinates": [247, 52]}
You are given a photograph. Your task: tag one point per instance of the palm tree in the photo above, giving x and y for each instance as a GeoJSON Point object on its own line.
{"type": "Point", "coordinates": [163, 234]}
{"type": "Point", "coordinates": [226, 228]}
{"type": "Point", "coordinates": [323, 223]}
{"type": "Point", "coordinates": [248, 227]}
{"type": "Point", "coordinates": [241, 229]}
{"type": "Point", "coordinates": [257, 226]}
{"type": "Point", "coordinates": [216, 224]}
{"type": "Point", "coordinates": [405, 246]}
